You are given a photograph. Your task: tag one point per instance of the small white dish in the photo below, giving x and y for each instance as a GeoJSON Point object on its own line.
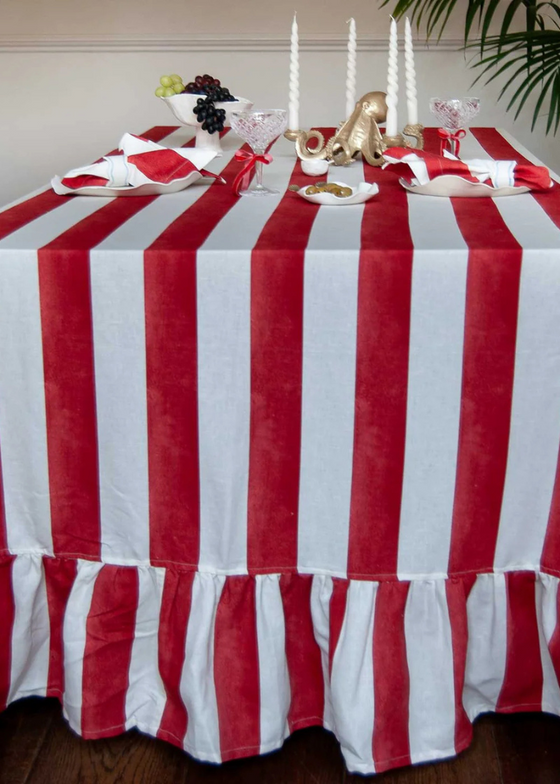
{"type": "Point", "coordinates": [149, 189]}
{"type": "Point", "coordinates": [314, 168]}
{"type": "Point", "coordinates": [362, 193]}
{"type": "Point", "coordinates": [449, 185]}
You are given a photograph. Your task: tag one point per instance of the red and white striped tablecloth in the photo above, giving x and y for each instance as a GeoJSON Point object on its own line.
{"type": "Point", "coordinates": [266, 465]}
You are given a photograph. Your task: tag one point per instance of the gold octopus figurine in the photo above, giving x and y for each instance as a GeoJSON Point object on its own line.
{"type": "Point", "coordinates": [359, 134]}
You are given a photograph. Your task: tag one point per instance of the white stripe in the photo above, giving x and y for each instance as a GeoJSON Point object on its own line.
{"type": "Point", "coordinates": [46, 228]}
{"type": "Point", "coordinates": [117, 292]}
{"type": "Point", "coordinates": [487, 648]}
{"type": "Point", "coordinates": [546, 597]}
{"type": "Point", "coordinates": [145, 697]}
{"type": "Point", "coordinates": [224, 373]}
{"type": "Point", "coordinates": [439, 280]}
{"type": "Point", "coordinates": [429, 652]}
{"type": "Point", "coordinates": [273, 668]}
{"type": "Point", "coordinates": [549, 602]}
{"type": "Point", "coordinates": [74, 632]}
{"type": "Point", "coordinates": [352, 678]}
{"type": "Point", "coordinates": [23, 428]}
{"type": "Point", "coordinates": [224, 395]}
{"type": "Point", "coordinates": [535, 415]}
{"type": "Point", "coordinates": [31, 629]}
{"type": "Point", "coordinates": [241, 227]}
{"type": "Point", "coordinates": [24, 198]}
{"type": "Point", "coordinates": [178, 137]}
{"type": "Point", "coordinates": [117, 277]}
{"type": "Point", "coordinates": [198, 690]}
{"type": "Point", "coordinates": [330, 313]}
{"type": "Point", "coordinates": [321, 593]}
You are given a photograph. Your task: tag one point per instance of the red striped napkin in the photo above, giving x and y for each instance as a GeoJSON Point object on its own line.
{"type": "Point", "coordinates": [141, 162]}
{"type": "Point", "coordinates": [419, 168]}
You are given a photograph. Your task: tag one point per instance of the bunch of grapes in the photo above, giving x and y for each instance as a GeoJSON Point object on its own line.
{"type": "Point", "coordinates": [170, 85]}
{"type": "Point", "coordinates": [212, 119]}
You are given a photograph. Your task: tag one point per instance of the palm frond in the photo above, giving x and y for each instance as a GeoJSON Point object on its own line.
{"type": "Point", "coordinates": [479, 14]}
{"type": "Point", "coordinates": [526, 61]}
{"type": "Point", "coordinates": [529, 61]}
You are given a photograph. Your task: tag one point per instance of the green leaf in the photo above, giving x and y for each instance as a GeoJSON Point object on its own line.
{"type": "Point", "coordinates": [526, 62]}
{"type": "Point", "coordinates": [541, 99]}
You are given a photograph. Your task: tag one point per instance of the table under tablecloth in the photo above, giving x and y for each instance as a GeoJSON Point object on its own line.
{"type": "Point", "coordinates": [266, 465]}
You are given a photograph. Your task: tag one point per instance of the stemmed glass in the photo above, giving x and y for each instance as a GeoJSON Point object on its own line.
{"type": "Point", "coordinates": [258, 129]}
{"type": "Point", "coordinates": [455, 114]}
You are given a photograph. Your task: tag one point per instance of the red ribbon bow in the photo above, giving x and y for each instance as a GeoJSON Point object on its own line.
{"type": "Point", "coordinates": [453, 139]}
{"type": "Point", "coordinates": [241, 181]}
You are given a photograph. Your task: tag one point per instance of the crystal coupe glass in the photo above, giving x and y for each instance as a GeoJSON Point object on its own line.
{"type": "Point", "coordinates": [454, 114]}
{"type": "Point", "coordinates": [258, 129]}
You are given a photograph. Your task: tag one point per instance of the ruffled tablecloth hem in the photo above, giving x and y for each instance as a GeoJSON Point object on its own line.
{"type": "Point", "coordinates": [228, 667]}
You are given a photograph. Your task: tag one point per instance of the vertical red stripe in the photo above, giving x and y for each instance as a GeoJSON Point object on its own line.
{"type": "Point", "coordinates": [390, 678]}
{"type": "Point", "coordinates": [337, 611]}
{"type": "Point", "coordinates": [457, 592]}
{"type": "Point", "coordinates": [302, 653]}
{"type": "Point", "coordinates": [171, 375]}
{"type": "Point", "coordinates": [498, 148]}
{"type": "Point", "coordinates": [59, 580]}
{"type": "Point", "coordinates": [493, 278]}
{"type": "Point", "coordinates": [384, 292]}
{"type": "Point", "coordinates": [236, 669]}
{"type": "Point", "coordinates": [109, 637]}
{"type": "Point", "coordinates": [172, 635]}
{"type": "Point", "coordinates": [523, 681]}
{"type": "Point", "coordinates": [7, 617]}
{"type": "Point", "coordinates": [277, 268]}
{"type": "Point", "coordinates": [67, 330]}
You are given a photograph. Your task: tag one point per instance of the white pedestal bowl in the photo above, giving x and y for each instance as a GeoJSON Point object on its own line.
{"type": "Point", "coordinates": [182, 106]}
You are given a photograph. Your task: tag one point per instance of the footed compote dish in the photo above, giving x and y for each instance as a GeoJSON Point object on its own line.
{"type": "Point", "coordinates": [182, 106]}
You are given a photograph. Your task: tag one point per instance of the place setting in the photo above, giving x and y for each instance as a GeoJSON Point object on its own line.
{"type": "Point", "coordinates": [370, 133]}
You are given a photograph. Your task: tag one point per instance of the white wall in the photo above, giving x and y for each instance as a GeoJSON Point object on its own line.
{"type": "Point", "coordinates": [74, 76]}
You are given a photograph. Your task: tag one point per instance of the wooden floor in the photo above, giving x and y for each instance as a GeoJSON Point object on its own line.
{"type": "Point", "coordinates": [36, 747]}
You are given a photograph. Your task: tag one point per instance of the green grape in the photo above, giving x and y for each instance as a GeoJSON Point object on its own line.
{"type": "Point", "coordinates": [166, 81]}
{"type": "Point", "coordinates": [160, 92]}
{"type": "Point", "coordinates": [168, 92]}
{"type": "Point", "coordinates": [176, 79]}
{"type": "Point", "coordinates": [178, 88]}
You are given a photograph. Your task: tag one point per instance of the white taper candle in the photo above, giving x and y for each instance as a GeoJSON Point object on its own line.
{"type": "Point", "coordinates": [351, 69]}
{"type": "Point", "coordinates": [411, 100]}
{"type": "Point", "coordinates": [393, 82]}
{"type": "Point", "coordinates": [293, 103]}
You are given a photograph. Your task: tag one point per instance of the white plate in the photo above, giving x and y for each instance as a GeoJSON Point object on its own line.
{"type": "Point", "coordinates": [149, 189]}
{"type": "Point", "coordinates": [451, 185]}
{"type": "Point", "coordinates": [362, 193]}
